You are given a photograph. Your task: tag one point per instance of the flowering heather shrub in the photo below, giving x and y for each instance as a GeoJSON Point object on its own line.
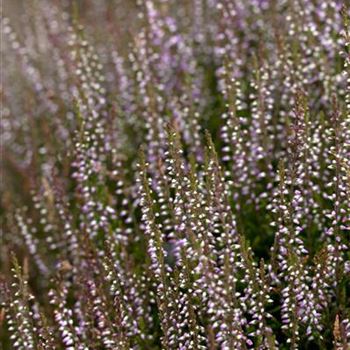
{"type": "Point", "coordinates": [176, 175]}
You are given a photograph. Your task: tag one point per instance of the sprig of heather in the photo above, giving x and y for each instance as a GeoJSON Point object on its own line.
{"type": "Point", "coordinates": [63, 315]}
{"type": "Point", "coordinates": [289, 252]}
{"type": "Point", "coordinates": [26, 322]}
{"type": "Point", "coordinates": [156, 251]}
{"type": "Point", "coordinates": [233, 135]}
{"type": "Point", "coordinates": [32, 243]}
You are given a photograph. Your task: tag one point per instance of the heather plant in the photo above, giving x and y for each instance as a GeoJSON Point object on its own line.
{"type": "Point", "coordinates": [175, 175]}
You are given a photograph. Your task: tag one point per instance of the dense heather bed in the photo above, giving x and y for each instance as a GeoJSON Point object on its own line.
{"type": "Point", "coordinates": [175, 175]}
